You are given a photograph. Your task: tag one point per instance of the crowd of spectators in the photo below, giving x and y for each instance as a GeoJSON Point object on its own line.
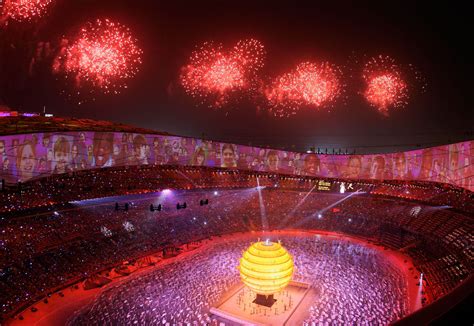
{"type": "Point", "coordinates": [86, 184]}
{"type": "Point", "coordinates": [440, 194]}
{"type": "Point", "coordinates": [41, 252]}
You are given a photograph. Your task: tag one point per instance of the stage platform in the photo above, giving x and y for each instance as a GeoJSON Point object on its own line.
{"type": "Point", "coordinates": [237, 306]}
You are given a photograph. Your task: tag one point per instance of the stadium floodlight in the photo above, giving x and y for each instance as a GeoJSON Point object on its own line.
{"type": "Point", "coordinates": [342, 188]}
{"type": "Point", "coordinates": [106, 231]}
{"type": "Point", "coordinates": [128, 226]}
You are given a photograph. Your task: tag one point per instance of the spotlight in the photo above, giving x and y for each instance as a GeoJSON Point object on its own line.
{"type": "Point", "coordinates": [320, 216]}
{"type": "Point", "coordinates": [215, 193]}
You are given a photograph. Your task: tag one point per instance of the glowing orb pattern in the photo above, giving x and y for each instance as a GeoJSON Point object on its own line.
{"type": "Point", "coordinates": [385, 87]}
{"type": "Point", "coordinates": [213, 75]}
{"type": "Point", "coordinates": [266, 267]}
{"type": "Point", "coordinates": [104, 55]}
{"type": "Point", "coordinates": [310, 84]}
{"type": "Point", "coordinates": [25, 10]}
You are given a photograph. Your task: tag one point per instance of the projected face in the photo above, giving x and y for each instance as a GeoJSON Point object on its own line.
{"type": "Point", "coordinates": [102, 149]}
{"type": "Point", "coordinates": [116, 149]}
{"type": "Point", "coordinates": [200, 159]}
{"type": "Point", "coordinates": [62, 154]}
{"type": "Point", "coordinates": [74, 152]}
{"type": "Point", "coordinates": [42, 165]}
{"type": "Point", "coordinates": [143, 151]}
{"type": "Point", "coordinates": [27, 162]}
{"type": "Point", "coordinates": [15, 144]}
{"type": "Point", "coordinates": [272, 162]}
{"type": "Point", "coordinates": [353, 167]}
{"type": "Point", "coordinates": [102, 152]}
{"type": "Point", "coordinates": [61, 158]}
{"type": "Point", "coordinates": [228, 156]}
{"type": "Point", "coordinates": [311, 165]}
{"type": "Point", "coordinates": [46, 141]}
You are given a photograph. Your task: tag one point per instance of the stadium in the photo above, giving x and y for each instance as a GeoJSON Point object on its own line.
{"type": "Point", "coordinates": [153, 223]}
{"type": "Point", "coordinates": [144, 222]}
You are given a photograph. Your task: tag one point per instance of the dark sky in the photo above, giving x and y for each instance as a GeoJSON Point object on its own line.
{"type": "Point", "coordinates": [436, 39]}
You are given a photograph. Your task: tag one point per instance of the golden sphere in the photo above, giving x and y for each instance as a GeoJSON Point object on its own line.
{"type": "Point", "coordinates": [266, 267]}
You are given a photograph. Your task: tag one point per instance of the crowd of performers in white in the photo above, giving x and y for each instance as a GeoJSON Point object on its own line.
{"type": "Point", "coordinates": [354, 284]}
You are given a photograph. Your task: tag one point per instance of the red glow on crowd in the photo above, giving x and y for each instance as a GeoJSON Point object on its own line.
{"type": "Point", "coordinates": [213, 74]}
{"type": "Point", "coordinates": [25, 10]}
{"type": "Point", "coordinates": [385, 87]}
{"type": "Point", "coordinates": [310, 84]}
{"type": "Point", "coordinates": [104, 55]}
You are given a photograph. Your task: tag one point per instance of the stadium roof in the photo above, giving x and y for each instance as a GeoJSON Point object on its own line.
{"type": "Point", "coordinates": [22, 125]}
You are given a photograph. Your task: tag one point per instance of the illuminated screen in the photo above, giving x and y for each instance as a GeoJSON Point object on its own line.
{"type": "Point", "coordinates": [29, 156]}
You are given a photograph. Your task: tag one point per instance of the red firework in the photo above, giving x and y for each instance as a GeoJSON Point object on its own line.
{"type": "Point", "coordinates": [310, 84]}
{"type": "Point", "coordinates": [104, 55]}
{"type": "Point", "coordinates": [25, 10]}
{"type": "Point", "coordinates": [385, 87]}
{"type": "Point", "coordinates": [214, 75]}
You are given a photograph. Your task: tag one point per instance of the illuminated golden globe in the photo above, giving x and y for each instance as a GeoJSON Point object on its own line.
{"type": "Point", "coordinates": [266, 267]}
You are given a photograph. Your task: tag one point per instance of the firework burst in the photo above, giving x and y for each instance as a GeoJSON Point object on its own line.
{"type": "Point", "coordinates": [103, 56]}
{"type": "Point", "coordinates": [309, 84]}
{"type": "Point", "coordinates": [214, 75]}
{"type": "Point", "coordinates": [386, 88]}
{"type": "Point", "coordinates": [24, 10]}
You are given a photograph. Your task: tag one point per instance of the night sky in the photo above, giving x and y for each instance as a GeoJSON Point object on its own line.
{"type": "Point", "coordinates": [434, 39]}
